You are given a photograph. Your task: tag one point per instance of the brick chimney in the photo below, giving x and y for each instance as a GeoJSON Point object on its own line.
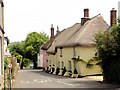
{"type": "Point", "coordinates": [86, 12]}
{"type": "Point", "coordinates": [52, 34]}
{"type": "Point", "coordinates": [113, 15]}
{"type": "Point", "coordinates": [86, 16]}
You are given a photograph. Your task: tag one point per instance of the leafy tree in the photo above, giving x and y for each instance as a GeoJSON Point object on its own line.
{"type": "Point", "coordinates": [19, 59]}
{"type": "Point", "coordinates": [28, 48]}
{"type": "Point", "coordinates": [26, 62]}
{"type": "Point", "coordinates": [32, 44]}
{"type": "Point", "coordinates": [17, 47]}
{"type": "Point", "coordinates": [108, 47]}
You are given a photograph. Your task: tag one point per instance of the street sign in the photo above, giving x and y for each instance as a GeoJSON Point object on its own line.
{"type": "Point", "coordinates": [10, 65]}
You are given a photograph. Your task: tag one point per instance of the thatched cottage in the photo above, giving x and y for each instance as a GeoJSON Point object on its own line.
{"type": "Point", "coordinates": [77, 42]}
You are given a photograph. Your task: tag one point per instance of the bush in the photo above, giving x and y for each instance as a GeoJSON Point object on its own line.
{"type": "Point", "coordinates": [5, 63]}
{"type": "Point", "coordinates": [19, 58]}
{"type": "Point", "coordinates": [26, 62]}
{"type": "Point", "coordinates": [108, 47]}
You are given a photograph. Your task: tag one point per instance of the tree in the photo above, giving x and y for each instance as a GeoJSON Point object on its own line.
{"type": "Point", "coordinates": [108, 47]}
{"type": "Point", "coordinates": [32, 44]}
{"type": "Point", "coordinates": [17, 47]}
{"type": "Point", "coordinates": [26, 62]}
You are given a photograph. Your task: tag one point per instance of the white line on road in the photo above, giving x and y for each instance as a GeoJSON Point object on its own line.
{"type": "Point", "coordinates": [46, 81]}
{"type": "Point", "coordinates": [64, 83]}
{"type": "Point", "coordinates": [49, 80]}
{"type": "Point", "coordinates": [41, 81]}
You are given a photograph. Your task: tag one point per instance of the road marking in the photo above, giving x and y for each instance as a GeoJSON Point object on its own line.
{"type": "Point", "coordinates": [64, 83]}
{"type": "Point", "coordinates": [42, 81]}
{"type": "Point", "coordinates": [49, 80]}
{"type": "Point", "coordinates": [27, 82]}
{"type": "Point", "coordinates": [46, 81]}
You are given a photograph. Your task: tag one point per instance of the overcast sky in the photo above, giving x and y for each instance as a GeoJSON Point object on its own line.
{"type": "Point", "coordinates": [25, 16]}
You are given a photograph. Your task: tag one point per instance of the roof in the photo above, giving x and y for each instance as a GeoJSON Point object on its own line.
{"type": "Point", "coordinates": [85, 35]}
{"type": "Point", "coordinates": [63, 37]}
{"type": "Point", "coordinates": [47, 44]}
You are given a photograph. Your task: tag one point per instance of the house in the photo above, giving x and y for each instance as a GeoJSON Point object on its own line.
{"type": "Point", "coordinates": [1, 42]}
{"type": "Point", "coordinates": [6, 49]}
{"type": "Point", "coordinates": [78, 42]}
{"type": "Point", "coordinates": [54, 61]}
{"type": "Point", "coordinates": [43, 55]}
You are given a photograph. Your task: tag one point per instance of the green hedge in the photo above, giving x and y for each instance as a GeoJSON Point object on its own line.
{"type": "Point", "coordinates": [108, 47]}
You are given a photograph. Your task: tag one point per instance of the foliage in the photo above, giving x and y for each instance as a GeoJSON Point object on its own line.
{"type": "Point", "coordinates": [5, 63]}
{"type": "Point", "coordinates": [17, 47]}
{"type": "Point", "coordinates": [78, 60]}
{"type": "Point", "coordinates": [19, 58]}
{"type": "Point", "coordinates": [26, 62]}
{"type": "Point", "coordinates": [32, 44]}
{"type": "Point", "coordinates": [93, 62]}
{"type": "Point", "coordinates": [108, 47]}
{"type": "Point", "coordinates": [29, 47]}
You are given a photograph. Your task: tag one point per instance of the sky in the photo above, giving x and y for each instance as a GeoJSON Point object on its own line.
{"type": "Point", "coordinates": [24, 16]}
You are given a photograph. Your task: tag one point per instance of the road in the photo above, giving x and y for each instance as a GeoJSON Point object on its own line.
{"type": "Point", "coordinates": [38, 79]}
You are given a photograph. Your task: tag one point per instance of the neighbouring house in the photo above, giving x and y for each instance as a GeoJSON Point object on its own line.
{"type": "Point", "coordinates": [54, 60]}
{"type": "Point", "coordinates": [43, 55]}
{"type": "Point", "coordinates": [78, 42]}
{"type": "Point", "coordinates": [6, 49]}
{"type": "Point", "coordinates": [1, 42]}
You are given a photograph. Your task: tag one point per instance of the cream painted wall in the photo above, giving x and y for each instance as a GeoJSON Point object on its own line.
{"type": "Point", "coordinates": [51, 59]}
{"type": "Point", "coordinates": [85, 53]}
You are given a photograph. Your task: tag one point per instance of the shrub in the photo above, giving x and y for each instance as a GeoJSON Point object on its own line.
{"type": "Point", "coordinates": [26, 62]}
{"type": "Point", "coordinates": [5, 63]}
{"type": "Point", "coordinates": [108, 47]}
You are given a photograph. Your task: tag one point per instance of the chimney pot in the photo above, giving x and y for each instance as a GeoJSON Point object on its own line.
{"type": "Point", "coordinates": [86, 16]}
{"type": "Point", "coordinates": [52, 34]}
{"type": "Point", "coordinates": [86, 12]}
{"type": "Point", "coordinates": [113, 19]}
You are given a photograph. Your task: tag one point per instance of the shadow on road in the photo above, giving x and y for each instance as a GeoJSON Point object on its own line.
{"type": "Point", "coordinates": [41, 72]}
{"type": "Point", "coordinates": [80, 82]}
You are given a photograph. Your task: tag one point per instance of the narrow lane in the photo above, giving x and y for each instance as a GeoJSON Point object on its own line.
{"type": "Point", "coordinates": [38, 79]}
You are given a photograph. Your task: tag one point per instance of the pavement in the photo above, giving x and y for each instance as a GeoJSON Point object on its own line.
{"type": "Point", "coordinates": [95, 78]}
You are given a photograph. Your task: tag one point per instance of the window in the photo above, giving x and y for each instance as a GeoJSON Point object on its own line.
{"type": "Point", "coordinates": [69, 65]}
{"type": "Point", "coordinates": [50, 62]}
{"type": "Point", "coordinates": [61, 51]}
{"type": "Point", "coordinates": [58, 64]}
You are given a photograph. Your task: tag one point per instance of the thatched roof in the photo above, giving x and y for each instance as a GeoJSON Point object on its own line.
{"type": "Point", "coordinates": [63, 37]}
{"type": "Point", "coordinates": [78, 35]}
{"type": "Point", "coordinates": [85, 35]}
{"type": "Point", "coordinates": [47, 44]}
